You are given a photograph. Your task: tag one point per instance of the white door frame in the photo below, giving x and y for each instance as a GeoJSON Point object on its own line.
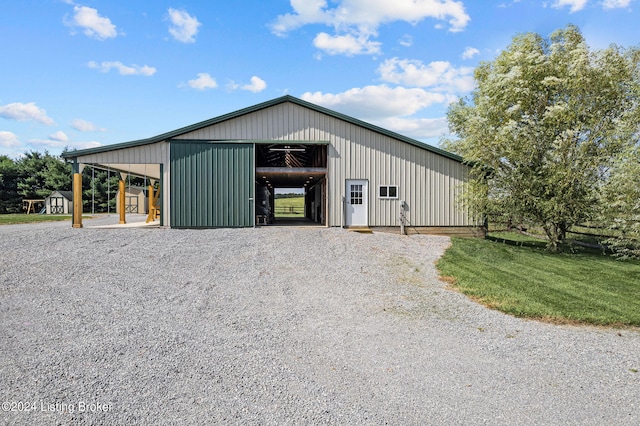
{"type": "Point", "coordinates": [356, 202]}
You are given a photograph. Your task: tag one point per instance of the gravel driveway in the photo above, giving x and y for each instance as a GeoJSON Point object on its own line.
{"type": "Point", "coordinates": [281, 325]}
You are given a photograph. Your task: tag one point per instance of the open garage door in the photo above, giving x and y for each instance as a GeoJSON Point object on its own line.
{"type": "Point", "coordinates": [284, 164]}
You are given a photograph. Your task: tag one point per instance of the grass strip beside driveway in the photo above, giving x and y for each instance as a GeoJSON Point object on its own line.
{"type": "Point", "coordinates": [526, 281]}
{"type": "Point", "coordinates": [12, 219]}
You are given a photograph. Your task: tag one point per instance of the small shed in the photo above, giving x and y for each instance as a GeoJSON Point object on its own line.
{"type": "Point", "coordinates": [59, 202]}
{"type": "Point", "coordinates": [135, 199]}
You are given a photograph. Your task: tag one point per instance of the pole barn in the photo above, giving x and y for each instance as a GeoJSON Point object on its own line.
{"type": "Point", "coordinates": [223, 172]}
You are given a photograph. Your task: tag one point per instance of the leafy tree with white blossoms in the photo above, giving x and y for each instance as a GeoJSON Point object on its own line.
{"type": "Point", "coordinates": [620, 202]}
{"type": "Point", "coordinates": [544, 125]}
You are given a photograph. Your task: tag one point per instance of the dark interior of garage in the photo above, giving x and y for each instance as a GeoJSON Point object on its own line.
{"type": "Point", "coordinates": [291, 166]}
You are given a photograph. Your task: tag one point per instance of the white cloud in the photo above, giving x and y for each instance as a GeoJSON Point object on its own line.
{"type": "Point", "coordinates": [418, 128]}
{"type": "Point", "coordinates": [439, 75]}
{"type": "Point", "coordinates": [184, 26]}
{"type": "Point", "coordinates": [346, 44]}
{"type": "Point", "coordinates": [92, 23]}
{"type": "Point", "coordinates": [370, 13]}
{"type": "Point", "coordinates": [203, 82]}
{"type": "Point", "coordinates": [406, 41]}
{"type": "Point", "coordinates": [145, 70]}
{"type": "Point", "coordinates": [504, 5]}
{"type": "Point", "coordinates": [9, 140]}
{"type": "Point", "coordinates": [257, 85]}
{"type": "Point", "coordinates": [25, 112]}
{"type": "Point", "coordinates": [49, 143]}
{"type": "Point", "coordinates": [389, 108]}
{"type": "Point", "coordinates": [470, 52]}
{"type": "Point", "coordinates": [615, 4]}
{"type": "Point", "coordinates": [84, 145]}
{"type": "Point", "coordinates": [378, 102]}
{"type": "Point", "coordinates": [85, 126]}
{"type": "Point", "coordinates": [59, 136]}
{"type": "Point", "coordinates": [576, 5]}
{"type": "Point", "coordinates": [46, 143]}
{"type": "Point", "coordinates": [356, 21]}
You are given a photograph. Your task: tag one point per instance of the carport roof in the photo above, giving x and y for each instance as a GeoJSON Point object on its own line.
{"type": "Point", "coordinates": [254, 108]}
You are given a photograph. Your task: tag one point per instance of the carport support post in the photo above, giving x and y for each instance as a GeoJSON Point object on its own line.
{"type": "Point", "coordinates": [122, 201]}
{"type": "Point", "coordinates": [77, 200]}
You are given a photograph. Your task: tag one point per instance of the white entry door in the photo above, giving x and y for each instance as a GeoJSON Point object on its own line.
{"type": "Point", "coordinates": [357, 200]}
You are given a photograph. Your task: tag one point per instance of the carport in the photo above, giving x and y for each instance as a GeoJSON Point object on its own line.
{"type": "Point", "coordinates": [145, 160]}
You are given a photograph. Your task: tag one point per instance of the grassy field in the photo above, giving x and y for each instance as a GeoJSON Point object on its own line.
{"type": "Point", "coordinates": [515, 274]}
{"type": "Point", "coordinates": [289, 207]}
{"type": "Point", "coordinates": [10, 219]}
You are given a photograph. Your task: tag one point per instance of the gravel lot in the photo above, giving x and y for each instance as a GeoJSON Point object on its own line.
{"type": "Point", "coordinates": [281, 325]}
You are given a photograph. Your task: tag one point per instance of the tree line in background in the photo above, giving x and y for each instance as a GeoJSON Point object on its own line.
{"type": "Point", "coordinates": [37, 175]}
{"type": "Point", "coordinates": [552, 134]}
{"type": "Point", "coordinates": [289, 195]}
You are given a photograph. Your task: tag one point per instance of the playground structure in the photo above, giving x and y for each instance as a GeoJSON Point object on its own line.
{"type": "Point", "coordinates": [32, 205]}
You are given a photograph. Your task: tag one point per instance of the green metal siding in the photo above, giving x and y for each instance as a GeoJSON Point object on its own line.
{"type": "Point", "coordinates": [212, 185]}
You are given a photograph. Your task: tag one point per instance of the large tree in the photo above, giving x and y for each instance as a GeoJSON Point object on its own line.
{"type": "Point", "coordinates": [36, 175]}
{"type": "Point", "coordinates": [620, 204]}
{"type": "Point", "coordinates": [9, 176]}
{"type": "Point", "coordinates": [100, 189]}
{"type": "Point", "coordinates": [542, 127]}
{"type": "Point", "coordinates": [42, 174]}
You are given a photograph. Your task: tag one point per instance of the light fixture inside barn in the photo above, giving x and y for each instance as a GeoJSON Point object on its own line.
{"type": "Point", "coordinates": [287, 148]}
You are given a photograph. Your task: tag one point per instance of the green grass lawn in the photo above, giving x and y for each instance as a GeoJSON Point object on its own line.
{"type": "Point", "coordinates": [283, 207]}
{"type": "Point", "coordinates": [515, 274]}
{"type": "Point", "coordinates": [10, 219]}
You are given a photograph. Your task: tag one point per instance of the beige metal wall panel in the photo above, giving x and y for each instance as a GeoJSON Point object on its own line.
{"type": "Point", "coordinates": [280, 122]}
{"type": "Point", "coordinates": [156, 153]}
{"type": "Point", "coordinates": [427, 181]}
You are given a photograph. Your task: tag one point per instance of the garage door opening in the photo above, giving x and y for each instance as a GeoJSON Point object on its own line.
{"type": "Point", "coordinates": [291, 184]}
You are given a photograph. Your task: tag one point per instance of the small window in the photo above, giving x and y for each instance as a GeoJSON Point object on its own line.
{"type": "Point", "coordinates": [388, 191]}
{"type": "Point", "coordinates": [356, 194]}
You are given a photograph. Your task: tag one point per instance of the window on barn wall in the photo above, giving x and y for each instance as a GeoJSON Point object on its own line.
{"type": "Point", "coordinates": [388, 191]}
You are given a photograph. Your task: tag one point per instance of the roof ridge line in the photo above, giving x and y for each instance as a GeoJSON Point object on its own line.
{"type": "Point", "coordinates": [247, 110]}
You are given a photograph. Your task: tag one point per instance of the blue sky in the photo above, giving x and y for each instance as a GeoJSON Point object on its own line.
{"type": "Point", "coordinates": [97, 72]}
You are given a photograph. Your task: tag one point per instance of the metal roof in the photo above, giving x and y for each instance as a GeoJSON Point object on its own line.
{"type": "Point", "coordinates": [287, 98]}
{"type": "Point", "coordinates": [66, 194]}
